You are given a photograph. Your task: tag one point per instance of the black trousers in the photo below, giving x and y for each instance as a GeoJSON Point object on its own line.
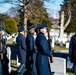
{"type": "Point", "coordinates": [5, 67]}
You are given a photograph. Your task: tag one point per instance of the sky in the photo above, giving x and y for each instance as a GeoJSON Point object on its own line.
{"type": "Point", "coordinates": [50, 7]}
{"type": "Point", "coordinates": [53, 8]}
{"type": "Point", "coordinates": [4, 7]}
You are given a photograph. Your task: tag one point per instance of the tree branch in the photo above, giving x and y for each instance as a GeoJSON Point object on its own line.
{"type": "Point", "coordinates": [57, 26]}
{"type": "Point", "coordinates": [67, 23]}
{"type": "Point", "coordinates": [34, 9]}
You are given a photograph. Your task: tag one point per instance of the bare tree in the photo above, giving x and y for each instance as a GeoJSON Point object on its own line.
{"type": "Point", "coordinates": [63, 26]}
{"type": "Point", "coordinates": [24, 6]}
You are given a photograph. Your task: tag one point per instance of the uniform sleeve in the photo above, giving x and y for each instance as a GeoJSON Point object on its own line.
{"type": "Point", "coordinates": [4, 46]}
{"type": "Point", "coordinates": [71, 56]}
{"type": "Point", "coordinates": [45, 48]}
{"type": "Point", "coordinates": [23, 44]}
{"type": "Point", "coordinates": [70, 47]}
{"type": "Point", "coordinates": [31, 41]}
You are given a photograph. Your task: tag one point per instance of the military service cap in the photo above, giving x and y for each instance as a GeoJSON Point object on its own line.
{"type": "Point", "coordinates": [74, 27]}
{"type": "Point", "coordinates": [1, 28]}
{"type": "Point", "coordinates": [20, 29]}
{"type": "Point", "coordinates": [30, 27]}
{"type": "Point", "coordinates": [42, 26]}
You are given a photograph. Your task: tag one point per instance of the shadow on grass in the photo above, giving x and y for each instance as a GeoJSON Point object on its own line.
{"type": "Point", "coordinates": [70, 71]}
{"type": "Point", "coordinates": [14, 66]}
{"type": "Point", "coordinates": [13, 73]}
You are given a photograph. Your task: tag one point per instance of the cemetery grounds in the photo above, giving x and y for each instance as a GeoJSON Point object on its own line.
{"type": "Point", "coordinates": [15, 66]}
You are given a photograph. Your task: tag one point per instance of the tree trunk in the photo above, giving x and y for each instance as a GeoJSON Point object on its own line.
{"type": "Point", "coordinates": [68, 21]}
{"type": "Point", "coordinates": [62, 24]}
{"type": "Point", "coordinates": [25, 18]}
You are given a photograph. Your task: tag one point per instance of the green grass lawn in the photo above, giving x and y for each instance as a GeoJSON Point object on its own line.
{"type": "Point", "coordinates": [14, 65]}
{"type": "Point", "coordinates": [57, 47]}
{"type": "Point", "coordinates": [10, 41]}
{"type": "Point", "coordinates": [70, 72]}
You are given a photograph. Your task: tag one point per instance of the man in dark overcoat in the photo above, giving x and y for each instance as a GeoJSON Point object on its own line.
{"type": "Point", "coordinates": [72, 52]}
{"type": "Point", "coordinates": [21, 45]}
{"type": "Point", "coordinates": [31, 51]}
{"type": "Point", "coordinates": [43, 65]}
{"type": "Point", "coordinates": [3, 58]}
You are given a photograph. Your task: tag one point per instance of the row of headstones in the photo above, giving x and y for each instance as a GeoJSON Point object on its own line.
{"type": "Point", "coordinates": [58, 67]}
{"type": "Point", "coordinates": [61, 44]}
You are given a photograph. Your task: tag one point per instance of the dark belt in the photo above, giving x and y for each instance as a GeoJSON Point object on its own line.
{"type": "Point", "coordinates": [41, 53]}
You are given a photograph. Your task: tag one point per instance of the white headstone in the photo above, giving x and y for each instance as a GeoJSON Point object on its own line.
{"type": "Point", "coordinates": [61, 43]}
{"type": "Point", "coordinates": [67, 44]}
{"type": "Point", "coordinates": [18, 61]}
{"type": "Point", "coordinates": [53, 42]}
{"type": "Point", "coordinates": [58, 66]}
{"type": "Point", "coordinates": [9, 57]}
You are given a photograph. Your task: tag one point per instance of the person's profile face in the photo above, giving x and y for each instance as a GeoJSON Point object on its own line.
{"type": "Point", "coordinates": [22, 33]}
{"type": "Point", "coordinates": [32, 31]}
{"type": "Point", "coordinates": [2, 32]}
{"type": "Point", "coordinates": [45, 30]}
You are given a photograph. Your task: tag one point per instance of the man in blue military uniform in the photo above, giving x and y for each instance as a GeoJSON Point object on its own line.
{"type": "Point", "coordinates": [21, 44]}
{"type": "Point", "coordinates": [3, 58]}
{"type": "Point", "coordinates": [43, 65]}
{"type": "Point", "coordinates": [72, 52]}
{"type": "Point", "coordinates": [31, 51]}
